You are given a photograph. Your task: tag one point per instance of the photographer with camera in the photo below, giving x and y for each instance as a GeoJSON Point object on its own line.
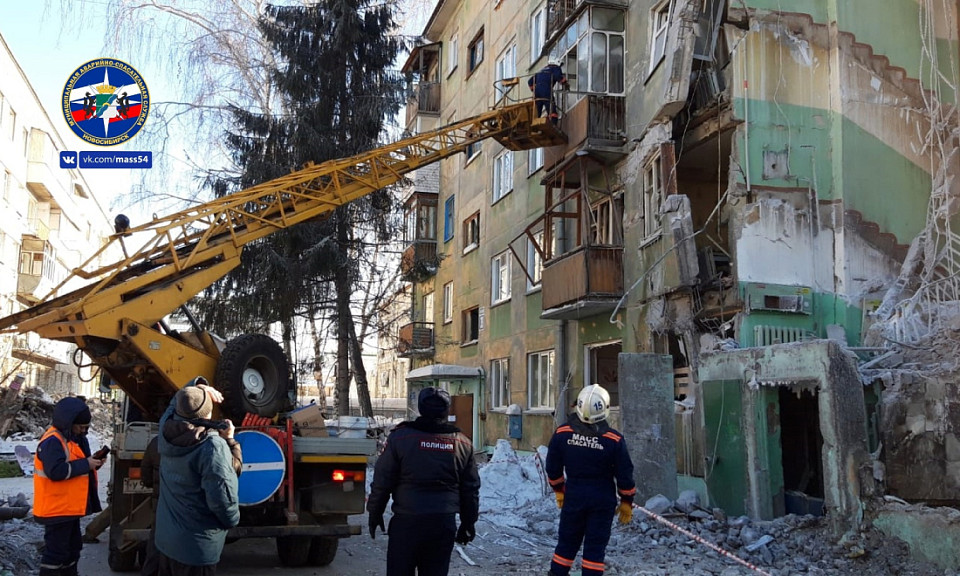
{"type": "Point", "coordinates": [64, 486]}
{"type": "Point", "coordinates": [200, 463]}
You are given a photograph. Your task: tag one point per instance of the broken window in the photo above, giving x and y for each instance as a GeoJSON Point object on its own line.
{"type": "Point", "coordinates": [475, 52]}
{"type": "Point", "coordinates": [659, 26]}
{"type": "Point", "coordinates": [500, 278]}
{"type": "Point", "coordinates": [605, 221]}
{"type": "Point", "coordinates": [534, 261]}
{"type": "Point", "coordinates": [539, 379]}
{"type": "Point", "coordinates": [652, 198]}
{"type": "Point", "coordinates": [471, 325]}
{"type": "Point", "coordinates": [499, 383]}
{"type": "Point", "coordinates": [471, 232]}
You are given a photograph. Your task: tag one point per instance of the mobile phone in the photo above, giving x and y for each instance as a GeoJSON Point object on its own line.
{"type": "Point", "coordinates": [101, 453]}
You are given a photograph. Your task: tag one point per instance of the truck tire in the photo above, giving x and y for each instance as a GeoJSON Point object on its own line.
{"type": "Point", "coordinates": [323, 549]}
{"type": "Point", "coordinates": [253, 376]}
{"type": "Point", "coordinates": [123, 560]}
{"type": "Point", "coordinates": [293, 550]}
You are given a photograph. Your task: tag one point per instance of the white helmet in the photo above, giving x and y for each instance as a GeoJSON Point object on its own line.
{"type": "Point", "coordinates": [593, 404]}
{"type": "Point", "coordinates": [555, 62]}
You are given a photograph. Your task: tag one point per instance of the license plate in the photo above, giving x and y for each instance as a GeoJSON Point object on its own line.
{"type": "Point", "coordinates": [135, 486]}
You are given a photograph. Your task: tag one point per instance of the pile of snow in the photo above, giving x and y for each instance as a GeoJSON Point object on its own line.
{"type": "Point", "coordinates": [510, 481]}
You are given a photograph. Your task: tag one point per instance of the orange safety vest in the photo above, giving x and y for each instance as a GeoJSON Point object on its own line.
{"type": "Point", "coordinates": [63, 497]}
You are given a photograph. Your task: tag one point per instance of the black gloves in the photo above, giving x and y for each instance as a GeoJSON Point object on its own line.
{"type": "Point", "coordinates": [466, 533]}
{"type": "Point", "coordinates": [375, 521]}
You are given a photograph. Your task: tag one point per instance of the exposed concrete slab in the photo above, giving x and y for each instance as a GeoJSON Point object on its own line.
{"type": "Point", "coordinates": [646, 400]}
{"type": "Point", "coordinates": [931, 533]}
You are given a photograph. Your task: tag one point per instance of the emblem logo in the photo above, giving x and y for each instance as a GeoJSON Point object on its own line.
{"type": "Point", "coordinates": [105, 102]}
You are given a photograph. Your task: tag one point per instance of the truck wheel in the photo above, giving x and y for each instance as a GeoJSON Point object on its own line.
{"type": "Point", "coordinates": [254, 377]}
{"type": "Point", "coordinates": [323, 549]}
{"type": "Point", "coordinates": [122, 560]}
{"type": "Point", "coordinates": [293, 550]}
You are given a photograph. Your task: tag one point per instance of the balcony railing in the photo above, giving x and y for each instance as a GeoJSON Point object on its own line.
{"type": "Point", "coordinates": [419, 260]}
{"type": "Point", "coordinates": [415, 340]}
{"type": "Point", "coordinates": [584, 282]}
{"type": "Point", "coordinates": [425, 99]}
{"type": "Point", "coordinates": [559, 12]}
{"type": "Point", "coordinates": [596, 122]}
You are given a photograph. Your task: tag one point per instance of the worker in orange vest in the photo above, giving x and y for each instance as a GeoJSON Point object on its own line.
{"type": "Point", "coordinates": [64, 486]}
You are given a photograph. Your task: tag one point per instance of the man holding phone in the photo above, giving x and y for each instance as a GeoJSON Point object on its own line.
{"type": "Point", "coordinates": [64, 486]}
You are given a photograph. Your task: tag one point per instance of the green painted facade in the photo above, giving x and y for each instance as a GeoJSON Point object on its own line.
{"type": "Point", "coordinates": [726, 476]}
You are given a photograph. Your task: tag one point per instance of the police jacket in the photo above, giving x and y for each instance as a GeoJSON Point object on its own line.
{"type": "Point", "coordinates": [198, 491]}
{"type": "Point", "coordinates": [594, 457]}
{"type": "Point", "coordinates": [64, 485]}
{"type": "Point", "coordinates": [428, 467]}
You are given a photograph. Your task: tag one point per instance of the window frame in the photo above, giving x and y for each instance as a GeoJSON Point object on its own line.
{"type": "Point", "coordinates": [475, 52]}
{"type": "Point", "coordinates": [660, 16]}
{"type": "Point", "coordinates": [448, 303]}
{"type": "Point", "coordinates": [454, 54]}
{"type": "Point", "coordinates": [428, 307]}
{"type": "Point", "coordinates": [469, 327]}
{"type": "Point", "coordinates": [499, 384]}
{"type": "Point", "coordinates": [471, 232]}
{"type": "Point", "coordinates": [501, 277]}
{"type": "Point", "coordinates": [535, 161]}
{"type": "Point", "coordinates": [505, 67]}
{"type": "Point", "coordinates": [502, 183]}
{"type": "Point", "coordinates": [472, 151]}
{"type": "Point", "coordinates": [538, 41]}
{"type": "Point", "coordinates": [536, 268]}
{"type": "Point", "coordinates": [651, 198]}
{"type": "Point", "coordinates": [532, 398]}
{"type": "Point", "coordinates": [449, 218]}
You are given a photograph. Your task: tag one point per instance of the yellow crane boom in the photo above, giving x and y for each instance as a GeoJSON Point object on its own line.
{"type": "Point", "coordinates": [171, 259]}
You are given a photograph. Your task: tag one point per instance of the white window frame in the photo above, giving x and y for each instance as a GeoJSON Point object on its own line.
{"type": "Point", "coordinates": [534, 160]}
{"type": "Point", "coordinates": [534, 262]}
{"type": "Point", "coordinates": [660, 16]}
{"type": "Point", "coordinates": [453, 54]}
{"type": "Point", "coordinates": [428, 309]}
{"type": "Point", "coordinates": [500, 278]}
{"type": "Point", "coordinates": [506, 67]}
{"type": "Point", "coordinates": [502, 175]}
{"type": "Point", "coordinates": [499, 383]}
{"type": "Point", "coordinates": [471, 233]}
{"type": "Point", "coordinates": [475, 52]}
{"type": "Point", "coordinates": [448, 303]}
{"type": "Point", "coordinates": [541, 385]}
{"type": "Point", "coordinates": [652, 197]}
{"type": "Point", "coordinates": [538, 32]}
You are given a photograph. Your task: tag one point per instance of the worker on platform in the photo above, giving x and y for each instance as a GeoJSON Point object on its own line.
{"type": "Point", "coordinates": [428, 468]}
{"type": "Point", "coordinates": [198, 501]}
{"type": "Point", "coordinates": [542, 84]}
{"type": "Point", "coordinates": [64, 486]}
{"type": "Point", "coordinates": [598, 469]}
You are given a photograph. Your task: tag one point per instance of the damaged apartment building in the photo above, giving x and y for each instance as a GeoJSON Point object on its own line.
{"type": "Point", "coordinates": [747, 239]}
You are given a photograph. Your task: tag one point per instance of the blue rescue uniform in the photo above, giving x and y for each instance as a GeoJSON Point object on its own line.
{"type": "Point", "coordinates": [542, 85]}
{"type": "Point", "coordinates": [598, 469]}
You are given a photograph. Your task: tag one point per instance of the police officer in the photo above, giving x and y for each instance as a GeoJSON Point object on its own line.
{"type": "Point", "coordinates": [542, 85]}
{"type": "Point", "coordinates": [428, 467]}
{"type": "Point", "coordinates": [594, 456]}
{"type": "Point", "coordinates": [64, 486]}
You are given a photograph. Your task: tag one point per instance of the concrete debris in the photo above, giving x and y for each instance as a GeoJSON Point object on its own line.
{"type": "Point", "coordinates": [19, 546]}
{"type": "Point", "coordinates": [30, 411]}
{"type": "Point", "coordinates": [658, 504]}
{"type": "Point", "coordinates": [688, 501]}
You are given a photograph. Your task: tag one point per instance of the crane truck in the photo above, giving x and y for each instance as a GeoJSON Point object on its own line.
{"type": "Point", "coordinates": [118, 319]}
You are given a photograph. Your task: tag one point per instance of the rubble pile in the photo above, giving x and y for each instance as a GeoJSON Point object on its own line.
{"type": "Point", "coordinates": [19, 544]}
{"type": "Point", "coordinates": [31, 412]}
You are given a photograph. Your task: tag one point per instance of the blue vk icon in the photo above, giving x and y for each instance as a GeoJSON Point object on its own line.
{"type": "Point", "coordinates": [68, 159]}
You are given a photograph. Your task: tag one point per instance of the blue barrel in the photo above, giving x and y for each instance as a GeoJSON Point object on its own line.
{"type": "Point", "coordinates": [263, 467]}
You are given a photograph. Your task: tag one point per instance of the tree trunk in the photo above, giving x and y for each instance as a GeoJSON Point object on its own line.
{"type": "Point", "coordinates": [343, 288]}
{"type": "Point", "coordinates": [360, 373]}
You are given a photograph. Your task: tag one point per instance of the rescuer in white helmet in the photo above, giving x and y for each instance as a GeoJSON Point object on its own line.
{"type": "Point", "coordinates": [542, 85]}
{"type": "Point", "coordinates": [588, 467]}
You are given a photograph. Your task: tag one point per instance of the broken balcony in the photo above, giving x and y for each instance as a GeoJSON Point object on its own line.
{"type": "Point", "coordinates": [581, 283]}
{"type": "Point", "coordinates": [419, 260]}
{"type": "Point", "coordinates": [595, 124]}
{"type": "Point", "coordinates": [37, 270]}
{"type": "Point", "coordinates": [415, 340]}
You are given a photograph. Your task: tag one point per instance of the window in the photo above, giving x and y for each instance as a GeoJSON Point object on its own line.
{"type": "Point", "coordinates": [420, 222]}
{"type": "Point", "coordinates": [428, 308]}
{"type": "Point", "coordinates": [453, 54]}
{"type": "Point", "coordinates": [659, 26]}
{"type": "Point", "coordinates": [448, 303]}
{"type": "Point", "coordinates": [540, 379]}
{"type": "Point", "coordinates": [475, 56]}
{"type": "Point", "coordinates": [592, 49]}
{"type": "Point", "coordinates": [650, 207]}
{"type": "Point", "coordinates": [502, 175]}
{"type": "Point", "coordinates": [534, 160]}
{"type": "Point", "coordinates": [473, 150]}
{"type": "Point", "coordinates": [471, 233]}
{"type": "Point", "coordinates": [605, 221]}
{"type": "Point", "coordinates": [448, 219]}
{"type": "Point", "coordinates": [538, 32]}
{"type": "Point", "coordinates": [471, 325]}
{"type": "Point", "coordinates": [534, 261]}
{"type": "Point", "coordinates": [499, 383]}
{"type": "Point", "coordinates": [11, 122]}
{"type": "Point", "coordinates": [506, 68]}
{"type": "Point", "coordinates": [6, 183]}
{"type": "Point", "coordinates": [26, 140]}
{"type": "Point", "coordinates": [500, 278]}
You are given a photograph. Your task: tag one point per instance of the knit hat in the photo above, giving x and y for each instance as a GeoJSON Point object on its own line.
{"type": "Point", "coordinates": [434, 403]}
{"type": "Point", "coordinates": [83, 417]}
{"type": "Point", "coordinates": [193, 402]}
